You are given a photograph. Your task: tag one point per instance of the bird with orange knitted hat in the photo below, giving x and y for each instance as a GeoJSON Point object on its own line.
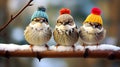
{"type": "Point", "coordinates": [65, 32]}
{"type": "Point", "coordinates": [92, 32]}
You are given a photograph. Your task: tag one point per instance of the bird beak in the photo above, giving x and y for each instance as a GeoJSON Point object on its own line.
{"type": "Point", "coordinates": [62, 27]}
{"type": "Point", "coordinates": [38, 24]}
{"type": "Point", "coordinates": [64, 24]}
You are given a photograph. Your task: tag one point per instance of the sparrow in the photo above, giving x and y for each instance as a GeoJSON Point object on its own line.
{"type": "Point", "coordinates": [65, 32]}
{"type": "Point", "coordinates": [92, 31]}
{"type": "Point", "coordinates": [38, 32]}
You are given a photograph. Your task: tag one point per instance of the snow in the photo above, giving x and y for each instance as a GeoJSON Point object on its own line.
{"type": "Point", "coordinates": [61, 48]}
{"type": "Point", "coordinates": [39, 48]}
{"type": "Point", "coordinates": [79, 48]}
{"type": "Point", "coordinates": [103, 47]}
{"type": "Point", "coordinates": [14, 47]}
{"type": "Point", "coordinates": [24, 47]}
{"type": "Point", "coordinates": [10, 47]}
{"type": "Point", "coordinates": [64, 48]}
{"type": "Point", "coordinates": [108, 47]}
{"type": "Point", "coordinates": [53, 47]}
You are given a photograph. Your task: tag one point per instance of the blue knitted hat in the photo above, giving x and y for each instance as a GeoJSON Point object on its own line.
{"type": "Point", "coordinates": [40, 13]}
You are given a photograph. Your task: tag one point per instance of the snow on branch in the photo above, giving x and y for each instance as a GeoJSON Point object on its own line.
{"type": "Point", "coordinates": [102, 51]}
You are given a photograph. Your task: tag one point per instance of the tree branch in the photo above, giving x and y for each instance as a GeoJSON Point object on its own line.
{"type": "Point", "coordinates": [12, 50]}
{"type": "Point", "coordinates": [13, 17]}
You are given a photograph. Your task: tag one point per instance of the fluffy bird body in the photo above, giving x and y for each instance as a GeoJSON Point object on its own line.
{"type": "Point", "coordinates": [92, 32]}
{"type": "Point", "coordinates": [65, 32]}
{"type": "Point", "coordinates": [38, 32]}
{"type": "Point", "coordinates": [91, 35]}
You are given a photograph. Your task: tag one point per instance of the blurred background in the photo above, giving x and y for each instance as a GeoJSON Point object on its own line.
{"type": "Point", "coordinates": [79, 10]}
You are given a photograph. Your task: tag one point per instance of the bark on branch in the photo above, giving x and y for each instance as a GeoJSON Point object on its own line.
{"type": "Point", "coordinates": [43, 52]}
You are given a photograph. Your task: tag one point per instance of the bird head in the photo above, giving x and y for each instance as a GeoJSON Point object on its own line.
{"type": "Point", "coordinates": [94, 19]}
{"type": "Point", "coordinates": [65, 20]}
{"type": "Point", "coordinates": [40, 13]}
{"type": "Point", "coordinates": [39, 17]}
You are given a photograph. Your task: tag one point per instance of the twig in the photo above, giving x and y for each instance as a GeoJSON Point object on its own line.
{"type": "Point", "coordinates": [12, 50]}
{"type": "Point", "coordinates": [13, 17]}
{"type": "Point", "coordinates": [66, 54]}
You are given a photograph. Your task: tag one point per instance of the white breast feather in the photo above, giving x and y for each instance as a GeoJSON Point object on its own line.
{"type": "Point", "coordinates": [88, 29]}
{"type": "Point", "coordinates": [64, 28]}
{"type": "Point", "coordinates": [67, 27]}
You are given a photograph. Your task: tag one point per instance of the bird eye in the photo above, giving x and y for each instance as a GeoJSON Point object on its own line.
{"type": "Point", "coordinates": [70, 23]}
{"type": "Point", "coordinates": [98, 26]}
{"type": "Point", "coordinates": [67, 22]}
{"type": "Point", "coordinates": [44, 20]}
{"type": "Point", "coordinates": [60, 22]}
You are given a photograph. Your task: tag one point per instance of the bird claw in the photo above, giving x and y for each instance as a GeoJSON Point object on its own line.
{"type": "Point", "coordinates": [84, 45]}
{"type": "Point", "coordinates": [73, 46]}
{"type": "Point", "coordinates": [31, 46]}
{"type": "Point", "coordinates": [57, 45]}
{"type": "Point", "coordinates": [47, 46]}
{"type": "Point", "coordinates": [97, 45]}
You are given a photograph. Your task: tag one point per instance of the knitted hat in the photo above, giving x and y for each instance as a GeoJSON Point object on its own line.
{"type": "Point", "coordinates": [94, 16]}
{"type": "Point", "coordinates": [64, 14]}
{"type": "Point", "coordinates": [65, 11]}
{"type": "Point", "coordinates": [40, 13]}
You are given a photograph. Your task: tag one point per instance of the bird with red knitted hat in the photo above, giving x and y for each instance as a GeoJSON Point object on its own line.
{"type": "Point", "coordinates": [65, 32]}
{"type": "Point", "coordinates": [92, 32]}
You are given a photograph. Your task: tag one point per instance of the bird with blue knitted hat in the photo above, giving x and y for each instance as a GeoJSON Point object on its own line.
{"type": "Point", "coordinates": [40, 13]}
{"type": "Point", "coordinates": [38, 32]}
